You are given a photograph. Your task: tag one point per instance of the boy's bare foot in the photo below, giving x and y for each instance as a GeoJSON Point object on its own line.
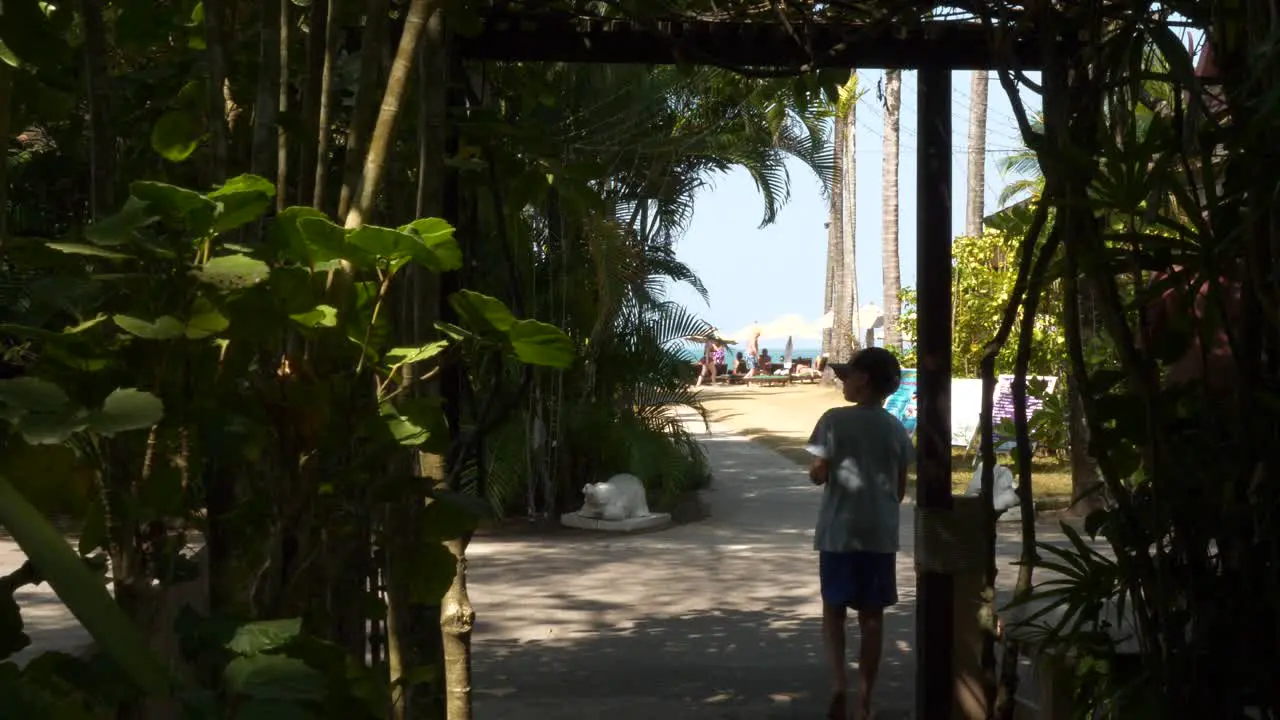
{"type": "Point", "coordinates": [864, 712]}
{"type": "Point", "coordinates": [838, 708]}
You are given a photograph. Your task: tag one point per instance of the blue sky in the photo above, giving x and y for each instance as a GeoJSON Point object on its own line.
{"type": "Point", "coordinates": [763, 274]}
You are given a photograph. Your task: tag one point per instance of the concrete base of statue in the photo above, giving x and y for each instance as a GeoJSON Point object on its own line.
{"type": "Point", "coordinates": [652, 521]}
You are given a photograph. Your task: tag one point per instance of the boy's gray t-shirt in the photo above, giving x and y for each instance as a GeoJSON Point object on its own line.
{"type": "Point", "coordinates": [866, 449]}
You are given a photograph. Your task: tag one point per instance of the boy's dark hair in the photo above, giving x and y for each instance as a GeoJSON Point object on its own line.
{"type": "Point", "coordinates": [879, 365]}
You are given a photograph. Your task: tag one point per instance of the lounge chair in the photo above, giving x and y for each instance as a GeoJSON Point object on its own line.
{"type": "Point", "coordinates": [769, 379]}
{"type": "Point", "coordinates": [805, 374]}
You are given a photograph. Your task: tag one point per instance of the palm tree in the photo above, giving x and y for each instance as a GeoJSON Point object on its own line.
{"type": "Point", "coordinates": [849, 190]}
{"type": "Point", "coordinates": [837, 256]}
{"type": "Point", "coordinates": [1025, 165]}
{"type": "Point", "coordinates": [977, 185]}
{"type": "Point", "coordinates": [889, 225]}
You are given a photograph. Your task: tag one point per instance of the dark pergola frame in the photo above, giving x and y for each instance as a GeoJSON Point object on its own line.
{"type": "Point", "coordinates": [935, 49]}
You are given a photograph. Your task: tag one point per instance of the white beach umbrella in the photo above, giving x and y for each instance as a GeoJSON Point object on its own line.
{"type": "Point", "coordinates": [783, 326]}
{"type": "Point", "coordinates": [870, 317]}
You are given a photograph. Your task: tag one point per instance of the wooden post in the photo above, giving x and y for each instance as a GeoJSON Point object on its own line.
{"type": "Point", "coordinates": [935, 591]}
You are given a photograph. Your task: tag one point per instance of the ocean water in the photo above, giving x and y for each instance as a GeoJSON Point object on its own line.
{"type": "Point", "coordinates": [693, 352]}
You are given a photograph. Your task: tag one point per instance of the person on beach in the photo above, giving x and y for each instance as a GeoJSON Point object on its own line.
{"type": "Point", "coordinates": [740, 365]}
{"type": "Point", "coordinates": [753, 344]}
{"type": "Point", "coordinates": [861, 455]}
{"type": "Point", "coordinates": [708, 363]}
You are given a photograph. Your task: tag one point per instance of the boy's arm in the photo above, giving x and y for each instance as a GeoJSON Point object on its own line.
{"type": "Point", "coordinates": [818, 449]}
{"type": "Point", "coordinates": [818, 471]}
{"type": "Point", "coordinates": [908, 455]}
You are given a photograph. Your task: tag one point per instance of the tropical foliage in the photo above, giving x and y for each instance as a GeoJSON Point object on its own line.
{"type": "Point", "coordinates": [606, 194]}
{"type": "Point", "coordinates": [274, 391]}
{"type": "Point", "coordinates": [1152, 178]}
{"type": "Point", "coordinates": [984, 277]}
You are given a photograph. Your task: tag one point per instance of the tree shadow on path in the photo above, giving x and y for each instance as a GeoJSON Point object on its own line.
{"type": "Point", "coordinates": [703, 664]}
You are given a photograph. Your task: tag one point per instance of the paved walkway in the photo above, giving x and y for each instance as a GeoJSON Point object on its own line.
{"type": "Point", "coordinates": [713, 619]}
{"type": "Point", "coordinates": [716, 619]}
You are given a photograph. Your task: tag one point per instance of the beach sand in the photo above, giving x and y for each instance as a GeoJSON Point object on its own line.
{"type": "Point", "coordinates": [781, 419]}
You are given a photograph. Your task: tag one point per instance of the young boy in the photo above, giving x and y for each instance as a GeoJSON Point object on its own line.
{"type": "Point", "coordinates": [861, 461]}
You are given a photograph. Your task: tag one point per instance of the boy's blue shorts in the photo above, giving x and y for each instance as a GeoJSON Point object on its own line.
{"type": "Point", "coordinates": [859, 580]}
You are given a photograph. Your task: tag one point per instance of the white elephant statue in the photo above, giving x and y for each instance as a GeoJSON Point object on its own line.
{"type": "Point", "coordinates": [621, 497]}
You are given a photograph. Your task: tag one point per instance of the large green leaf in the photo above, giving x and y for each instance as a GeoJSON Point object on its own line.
{"type": "Point", "coordinates": [165, 327]}
{"type": "Point", "coordinates": [242, 200]}
{"type": "Point", "coordinates": [30, 35]}
{"type": "Point", "coordinates": [319, 316]}
{"type": "Point", "coordinates": [205, 320]}
{"type": "Point", "coordinates": [123, 226]}
{"type": "Point", "coordinates": [406, 355]}
{"type": "Point", "coordinates": [289, 241]}
{"type": "Point", "coordinates": [176, 135]}
{"type": "Point", "coordinates": [245, 183]}
{"type": "Point", "coordinates": [7, 57]}
{"type": "Point", "coordinates": [258, 637]}
{"type": "Point", "coordinates": [482, 313]}
{"type": "Point", "coordinates": [89, 250]}
{"type": "Point", "coordinates": [274, 677]}
{"type": "Point", "coordinates": [442, 251]}
{"type": "Point", "coordinates": [82, 592]}
{"type": "Point", "coordinates": [538, 343]}
{"type": "Point", "coordinates": [384, 243]}
{"type": "Point", "coordinates": [176, 203]}
{"type": "Point", "coordinates": [30, 394]}
{"type": "Point", "coordinates": [417, 422]}
{"type": "Point", "coordinates": [52, 428]}
{"type": "Point", "coordinates": [233, 272]}
{"type": "Point", "coordinates": [323, 243]}
{"type": "Point", "coordinates": [366, 327]}
{"type": "Point", "coordinates": [35, 333]}
{"type": "Point", "coordinates": [126, 409]}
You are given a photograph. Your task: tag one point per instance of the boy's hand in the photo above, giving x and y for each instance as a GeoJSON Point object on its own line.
{"type": "Point", "coordinates": [818, 472]}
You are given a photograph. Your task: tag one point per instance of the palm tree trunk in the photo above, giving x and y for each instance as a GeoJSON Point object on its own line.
{"type": "Point", "coordinates": [840, 329]}
{"type": "Point", "coordinates": [977, 154]}
{"type": "Point", "coordinates": [828, 292]}
{"type": "Point", "coordinates": [892, 273]}
{"type": "Point", "coordinates": [850, 192]}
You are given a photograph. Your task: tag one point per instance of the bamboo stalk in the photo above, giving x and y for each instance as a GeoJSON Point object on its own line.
{"type": "Point", "coordinates": [362, 115]}
{"type": "Point", "coordinates": [217, 101]}
{"type": "Point", "coordinates": [392, 98]}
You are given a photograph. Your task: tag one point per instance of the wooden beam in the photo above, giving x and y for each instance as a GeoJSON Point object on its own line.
{"type": "Point", "coordinates": [748, 45]}
{"type": "Point", "coordinates": [935, 586]}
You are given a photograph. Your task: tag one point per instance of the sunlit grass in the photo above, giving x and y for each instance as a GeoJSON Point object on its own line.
{"type": "Point", "coordinates": [781, 418]}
